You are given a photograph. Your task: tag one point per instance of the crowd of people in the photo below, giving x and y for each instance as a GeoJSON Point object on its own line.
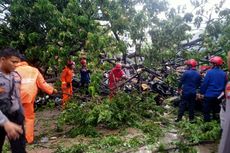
{"type": "Point", "coordinates": [19, 84]}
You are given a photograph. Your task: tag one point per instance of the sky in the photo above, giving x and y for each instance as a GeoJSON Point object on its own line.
{"type": "Point", "coordinates": [189, 8]}
{"type": "Point", "coordinates": [210, 3]}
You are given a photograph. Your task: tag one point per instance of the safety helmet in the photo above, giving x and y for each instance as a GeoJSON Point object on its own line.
{"type": "Point", "coordinates": [191, 62]}
{"type": "Point", "coordinates": [83, 62]}
{"type": "Point", "coordinates": [118, 66]}
{"type": "Point", "coordinates": [217, 60]}
{"type": "Point", "coordinates": [204, 68]}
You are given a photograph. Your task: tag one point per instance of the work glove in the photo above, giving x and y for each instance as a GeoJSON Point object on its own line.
{"type": "Point", "coordinates": [55, 91]}
{"type": "Point", "coordinates": [68, 84]}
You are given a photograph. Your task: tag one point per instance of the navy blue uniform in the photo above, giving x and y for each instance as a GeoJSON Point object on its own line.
{"type": "Point", "coordinates": [190, 82]}
{"type": "Point", "coordinates": [85, 79]}
{"type": "Point", "coordinates": [85, 76]}
{"type": "Point", "coordinates": [212, 86]}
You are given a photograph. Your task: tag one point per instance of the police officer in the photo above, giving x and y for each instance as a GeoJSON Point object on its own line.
{"type": "Point", "coordinates": [212, 87]}
{"type": "Point", "coordinates": [11, 114]}
{"type": "Point", "coordinates": [190, 82]}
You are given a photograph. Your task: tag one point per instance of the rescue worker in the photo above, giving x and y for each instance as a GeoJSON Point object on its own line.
{"type": "Point", "coordinates": [224, 146]}
{"type": "Point", "coordinates": [66, 82]}
{"type": "Point", "coordinates": [116, 75]}
{"type": "Point", "coordinates": [204, 69]}
{"type": "Point", "coordinates": [11, 112]}
{"type": "Point", "coordinates": [213, 85]}
{"type": "Point", "coordinates": [32, 80]}
{"type": "Point", "coordinates": [189, 83]}
{"type": "Point", "coordinates": [85, 76]}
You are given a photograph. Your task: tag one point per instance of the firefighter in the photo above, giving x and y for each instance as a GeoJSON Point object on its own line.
{"type": "Point", "coordinates": [115, 76]}
{"type": "Point", "coordinates": [212, 86]}
{"type": "Point", "coordinates": [204, 69]}
{"type": "Point", "coordinates": [189, 83]}
{"type": "Point", "coordinates": [66, 82]}
{"type": "Point", "coordinates": [31, 81]}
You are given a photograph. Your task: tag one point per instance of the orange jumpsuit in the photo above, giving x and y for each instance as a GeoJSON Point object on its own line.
{"type": "Point", "coordinates": [66, 78]}
{"type": "Point", "coordinates": [32, 79]}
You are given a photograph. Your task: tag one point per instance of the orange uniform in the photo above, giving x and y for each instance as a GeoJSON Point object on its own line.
{"type": "Point", "coordinates": [32, 79]}
{"type": "Point", "coordinates": [66, 80]}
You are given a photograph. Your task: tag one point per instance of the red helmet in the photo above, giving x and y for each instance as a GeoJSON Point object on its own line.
{"type": "Point", "coordinates": [118, 66]}
{"type": "Point", "coordinates": [217, 60]}
{"type": "Point", "coordinates": [204, 68]}
{"type": "Point", "coordinates": [83, 62]}
{"type": "Point", "coordinates": [70, 63]}
{"type": "Point", "coordinates": [191, 62]}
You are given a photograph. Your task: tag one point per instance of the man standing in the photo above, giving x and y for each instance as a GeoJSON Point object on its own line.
{"type": "Point", "coordinates": [188, 85]}
{"type": "Point", "coordinates": [212, 87]}
{"type": "Point", "coordinates": [11, 113]}
{"type": "Point", "coordinates": [66, 82]}
{"type": "Point", "coordinates": [32, 80]}
{"type": "Point", "coordinates": [85, 76]}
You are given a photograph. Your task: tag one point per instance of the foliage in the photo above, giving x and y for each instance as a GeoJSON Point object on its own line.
{"type": "Point", "coordinates": [200, 131]}
{"type": "Point", "coordinates": [124, 109]}
{"type": "Point", "coordinates": [85, 130]}
{"type": "Point", "coordinates": [110, 141]}
{"type": "Point", "coordinates": [184, 148]}
{"type": "Point", "coordinates": [106, 144]}
{"type": "Point", "coordinates": [95, 83]}
{"type": "Point", "coordinates": [134, 142]}
{"type": "Point", "coordinates": [172, 79]}
{"type": "Point", "coordinates": [51, 31]}
{"type": "Point", "coordinates": [48, 32]}
{"type": "Point", "coordinates": [6, 147]}
{"type": "Point", "coordinates": [161, 148]}
{"type": "Point", "coordinates": [153, 131]}
{"type": "Point", "coordinates": [74, 149]}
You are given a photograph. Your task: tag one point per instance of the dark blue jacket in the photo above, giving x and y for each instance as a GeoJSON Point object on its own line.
{"type": "Point", "coordinates": [85, 76]}
{"type": "Point", "coordinates": [214, 82]}
{"type": "Point", "coordinates": [190, 82]}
